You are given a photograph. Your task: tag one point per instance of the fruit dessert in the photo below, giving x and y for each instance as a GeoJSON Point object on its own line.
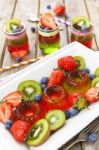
{"type": "Point", "coordinates": [36, 110]}
{"type": "Point", "coordinates": [82, 31]}
{"type": "Point", "coordinates": [16, 37]}
{"type": "Point", "coordinates": [48, 34]}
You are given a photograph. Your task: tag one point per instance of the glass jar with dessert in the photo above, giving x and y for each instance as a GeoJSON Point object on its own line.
{"type": "Point", "coordinates": [48, 34]}
{"type": "Point", "coordinates": [16, 38]}
{"type": "Point", "coordinates": [82, 31]}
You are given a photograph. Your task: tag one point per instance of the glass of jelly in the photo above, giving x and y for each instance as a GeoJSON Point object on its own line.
{"type": "Point", "coordinates": [17, 42]}
{"type": "Point", "coordinates": [49, 40]}
{"type": "Point", "coordinates": [82, 31]}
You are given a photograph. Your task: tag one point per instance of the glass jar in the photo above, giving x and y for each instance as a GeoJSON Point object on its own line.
{"type": "Point", "coordinates": [49, 40]}
{"type": "Point", "coordinates": [17, 43]}
{"type": "Point", "coordinates": [84, 37]}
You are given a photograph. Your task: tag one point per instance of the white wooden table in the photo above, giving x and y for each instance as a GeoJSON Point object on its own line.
{"type": "Point", "coordinates": [20, 9]}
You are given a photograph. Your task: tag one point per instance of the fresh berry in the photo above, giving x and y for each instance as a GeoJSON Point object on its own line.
{"type": "Point", "coordinates": [20, 129]}
{"type": "Point", "coordinates": [44, 80]}
{"type": "Point", "coordinates": [87, 70]}
{"type": "Point", "coordinates": [37, 98]}
{"type": "Point", "coordinates": [46, 29]}
{"type": "Point", "coordinates": [33, 29]}
{"type": "Point", "coordinates": [48, 6]}
{"type": "Point", "coordinates": [22, 53]}
{"type": "Point", "coordinates": [92, 137]}
{"type": "Point", "coordinates": [73, 112]}
{"type": "Point", "coordinates": [59, 10]}
{"type": "Point", "coordinates": [48, 20]}
{"type": "Point", "coordinates": [18, 59]}
{"type": "Point", "coordinates": [5, 112]}
{"type": "Point", "coordinates": [14, 98]}
{"type": "Point", "coordinates": [56, 77]}
{"type": "Point", "coordinates": [43, 86]}
{"type": "Point", "coordinates": [67, 114]}
{"type": "Point", "coordinates": [92, 95]}
{"type": "Point", "coordinates": [84, 28]}
{"type": "Point", "coordinates": [68, 63]}
{"type": "Point", "coordinates": [16, 30]}
{"type": "Point", "coordinates": [92, 76]}
{"type": "Point", "coordinates": [8, 124]}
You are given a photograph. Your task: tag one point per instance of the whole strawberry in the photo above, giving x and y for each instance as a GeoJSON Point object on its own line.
{"type": "Point", "coordinates": [59, 10]}
{"type": "Point", "coordinates": [56, 77]}
{"type": "Point", "coordinates": [68, 63]}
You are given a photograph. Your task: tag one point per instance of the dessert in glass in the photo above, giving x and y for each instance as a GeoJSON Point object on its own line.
{"type": "Point", "coordinates": [48, 34]}
{"type": "Point", "coordinates": [16, 38]}
{"type": "Point", "coordinates": [82, 31]}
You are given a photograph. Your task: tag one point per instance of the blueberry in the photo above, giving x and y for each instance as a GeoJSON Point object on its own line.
{"type": "Point", "coordinates": [86, 70]}
{"type": "Point", "coordinates": [18, 59]}
{"type": "Point", "coordinates": [84, 28]}
{"type": "Point", "coordinates": [92, 76]}
{"type": "Point", "coordinates": [33, 29]}
{"type": "Point", "coordinates": [46, 29]}
{"type": "Point", "coordinates": [43, 86]}
{"type": "Point", "coordinates": [73, 112]}
{"type": "Point", "coordinates": [92, 137]}
{"type": "Point", "coordinates": [48, 6]}
{"type": "Point", "coordinates": [67, 114]}
{"type": "Point", "coordinates": [8, 124]}
{"type": "Point", "coordinates": [17, 30]}
{"type": "Point", "coordinates": [44, 80]}
{"type": "Point", "coordinates": [37, 98]}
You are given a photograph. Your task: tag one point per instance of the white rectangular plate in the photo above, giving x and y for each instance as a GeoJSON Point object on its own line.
{"type": "Point", "coordinates": [43, 68]}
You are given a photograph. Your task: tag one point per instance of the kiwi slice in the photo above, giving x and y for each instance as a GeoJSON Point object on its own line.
{"type": "Point", "coordinates": [97, 71]}
{"type": "Point", "coordinates": [10, 23]}
{"type": "Point", "coordinates": [56, 119]}
{"type": "Point", "coordinates": [39, 133]}
{"type": "Point", "coordinates": [80, 61]}
{"type": "Point", "coordinates": [95, 82]}
{"type": "Point", "coordinates": [29, 89]}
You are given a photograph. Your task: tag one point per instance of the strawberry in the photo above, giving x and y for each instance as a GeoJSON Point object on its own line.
{"type": "Point", "coordinates": [22, 53]}
{"type": "Point", "coordinates": [56, 77]}
{"type": "Point", "coordinates": [68, 63]}
{"type": "Point", "coordinates": [59, 10]}
{"type": "Point", "coordinates": [5, 112]}
{"type": "Point", "coordinates": [92, 95]}
{"type": "Point", "coordinates": [14, 98]}
{"type": "Point", "coordinates": [48, 20]}
{"type": "Point", "coordinates": [77, 100]}
{"type": "Point", "coordinates": [20, 129]}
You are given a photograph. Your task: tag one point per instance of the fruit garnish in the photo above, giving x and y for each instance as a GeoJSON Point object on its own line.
{"type": "Point", "coordinates": [48, 20]}
{"type": "Point", "coordinates": [73, 112]}
{"type": "Point", "coordinates": [8, 124]}
{"type": "Point", "coordinates": [39, 133]}
{"type": "Point", "coordinates": [97, 71]}
{"type": "Point", "coordinates": [14, 98]}
{"type": "Point", "coordinates": [56, 119]}
{"type": "Point", "coordinates": [92, 137]}
{"type": "Point", "coordinates": [68, 63]}
{"type": "Point", "coordinates": [27, 111]}
{"type": "Point", "coordinates": [29, 89]}
{"type": "Point", "coordinates": [92, 95]}
{"type": "Point", "coordinates": [20, 129]}
{"type": "Point", "coordinates": [81, 103]}
{"type": "Point", "coordinates": [56, 77]}
{"type": "Point", "coordinates": [80, 62]}
{"type": "Point", "coordinates": [5, 112]}
{"type": "Point", "coordinates": [59, 10]}
{"type": "Point", "coordinates": [95, 82]}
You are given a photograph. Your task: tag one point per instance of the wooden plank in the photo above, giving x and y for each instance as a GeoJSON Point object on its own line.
{"type": "Point", "coordinates": [21, 12]}
{"type": "Point", "coordinates": [43, 9]}
{"type": "Point", "coordinates": [7, 6]}
{"type": "Point", "coordinates": [77, 8]}
{"type": "Point", "coordinates": [93, 12]}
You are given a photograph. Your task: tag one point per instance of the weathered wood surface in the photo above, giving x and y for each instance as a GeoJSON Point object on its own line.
{"type": "Point", "coordinates": [20, 9]}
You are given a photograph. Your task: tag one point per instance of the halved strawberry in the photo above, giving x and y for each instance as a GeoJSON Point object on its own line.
{"type": "Point", "coordinates": [14, 98]}
{"type": "Point", "coordinates": [56, 77]}
{"type": "Point", "coordinates": [5, 111]}
{"type": "Point", "coordinates": [92, 95]}
{"type": "Point", "coordinates": [20, 129]}
{"type": "Point", "coordinates": [22, 53]}
{"type": "Point", "coordinates": [48, 20]}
